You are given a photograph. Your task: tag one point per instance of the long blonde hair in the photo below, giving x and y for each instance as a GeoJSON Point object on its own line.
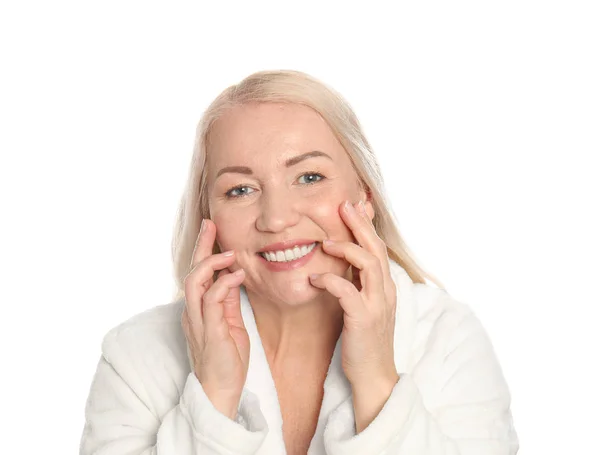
{"type": "Point", "coordinates": [287, 86]}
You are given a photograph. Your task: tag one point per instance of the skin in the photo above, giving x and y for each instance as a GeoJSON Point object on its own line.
{"type": "Point", "coordinates": [295, 318]}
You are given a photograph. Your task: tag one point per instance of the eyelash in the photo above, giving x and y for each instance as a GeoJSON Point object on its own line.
{"type": "Point", "coordinates": [229, 196]}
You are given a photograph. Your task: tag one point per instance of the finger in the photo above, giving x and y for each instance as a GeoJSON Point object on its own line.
{"type": "Point", "coordinates": [204, 242]}
{"type": "Point", "coordinates": [199, 281]}
{"type": "Point", "coordinates": [232, 311]}
{"type": "Point", "coordinates": [346, 292]}
{"type": "Point", "coordinates": [203, 248]}
{"type": "Point", "coordinates": [366, 235]}
{"type": "Point", "coordinates": [214, 322]}
{"type": "Point", "coordinates": [363, 230]}
{"type": "Point", "coordinates": [359, 207]}
{"type": "Point", "coordinates": [369, 266]}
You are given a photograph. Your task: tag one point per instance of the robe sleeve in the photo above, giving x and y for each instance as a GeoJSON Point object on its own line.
{"type": "Point", "coordinates": [454, 402]}
{"type": "Point", "coordinates": [119, 420]}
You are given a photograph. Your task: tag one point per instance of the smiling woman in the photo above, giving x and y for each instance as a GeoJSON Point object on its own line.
{"type": "Point", "coordinates": [285, 243]}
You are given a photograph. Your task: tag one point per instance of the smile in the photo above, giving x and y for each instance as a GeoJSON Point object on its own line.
{"type": "Point", "coordinates": [289, 259]}
{"type": "Point", "coordinates": [288, 255]}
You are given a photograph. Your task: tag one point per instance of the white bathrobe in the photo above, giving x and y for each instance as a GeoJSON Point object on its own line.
{"type": "Point", "coordinates": [451, 398]}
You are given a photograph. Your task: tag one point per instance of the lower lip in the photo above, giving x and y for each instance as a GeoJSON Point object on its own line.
{"type": "Point", "coordinates": [290, 265]}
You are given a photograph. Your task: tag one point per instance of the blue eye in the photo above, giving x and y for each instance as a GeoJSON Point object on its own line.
{"type": "Point", "coordinates": [229, 194]}
{"type": "Point", "coordinates": [313, 173]}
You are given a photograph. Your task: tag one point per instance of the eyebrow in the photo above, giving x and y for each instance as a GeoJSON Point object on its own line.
{"type": "Point", "coordinates": [289, 163]}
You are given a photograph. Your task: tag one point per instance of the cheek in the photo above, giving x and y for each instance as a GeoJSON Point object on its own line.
{"type": "Point", "coordinates": [327, 212]}
{"type": "Point", "coordinates": [228, 231]}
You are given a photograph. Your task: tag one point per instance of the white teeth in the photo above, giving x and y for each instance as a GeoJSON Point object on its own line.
{"type": "Point", "coordinates": [289, 254]}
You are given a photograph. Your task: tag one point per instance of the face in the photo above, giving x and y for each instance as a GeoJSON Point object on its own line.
{"type": "Point", "coordinates": [277, 202]}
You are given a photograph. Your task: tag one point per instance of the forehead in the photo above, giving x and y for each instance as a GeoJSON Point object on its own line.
{"type": "Point", "coordinates": [269, 131]}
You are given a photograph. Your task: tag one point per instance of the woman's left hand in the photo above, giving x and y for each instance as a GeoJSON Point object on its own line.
{"type": "Point", "coordinates": [369, 302]}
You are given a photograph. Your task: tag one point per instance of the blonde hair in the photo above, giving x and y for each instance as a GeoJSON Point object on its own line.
{"type": "Point", "coordinates": [286, 86]}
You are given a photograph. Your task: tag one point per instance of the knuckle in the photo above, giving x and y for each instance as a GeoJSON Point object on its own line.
{"type": "Point", "coordinates": [348, 288]}
{"type": "Point", "coordinates": [209, 296]}
{"type": "Point", "coordinates": [374, 263]}
{"type": "Point", "coordinates": [196, 278]}
{"type": "Point", "coordinates": [217, 288]}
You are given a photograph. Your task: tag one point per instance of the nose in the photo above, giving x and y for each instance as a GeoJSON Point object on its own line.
{"type": "Point", "coordinates": [277, 212]}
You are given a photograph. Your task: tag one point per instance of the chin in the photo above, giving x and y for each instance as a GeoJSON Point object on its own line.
{"type": "Point", "coordinates": [300, 290]}
{"type": "Point", "coordinates": [296, 293]}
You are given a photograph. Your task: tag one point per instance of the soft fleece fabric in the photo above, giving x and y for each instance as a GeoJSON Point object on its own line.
{"type": "Point", "coordinates": [451, 399]}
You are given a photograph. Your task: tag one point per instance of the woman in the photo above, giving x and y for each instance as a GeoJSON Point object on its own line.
{"type": "Point", "coordinates": [277, 341]}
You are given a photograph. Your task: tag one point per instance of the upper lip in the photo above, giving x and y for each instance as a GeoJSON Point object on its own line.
{"type": "Point", "coordinates": [288, 244]}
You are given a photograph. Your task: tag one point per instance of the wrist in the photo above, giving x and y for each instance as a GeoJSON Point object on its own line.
{"type": "Point", "coordinates": [226, 404]}
{"type": "Point", "coordinates": [226, 407]}
{"type": "Point", "coordinates": [369, 399]}
{"type": "Point", "coordinates": [375, 386]}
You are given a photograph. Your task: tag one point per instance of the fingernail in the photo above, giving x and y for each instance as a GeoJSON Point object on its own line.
{"type": "Point", "coordinates": [202, 226]}
{"type": "Point", "coordinates": [313, 276]}
{"type": "Point", "coordinates": [327, 242]}
{"type": "Point", "coordinates": [239, 272]}
{"type": "Point", "coordinates": [348, 207]}
{"type": "Point", "coordinates": [228, 253]}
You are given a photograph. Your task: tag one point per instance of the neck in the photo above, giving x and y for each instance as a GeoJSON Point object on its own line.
{"type": "Point", "coordinates": [304, 335]}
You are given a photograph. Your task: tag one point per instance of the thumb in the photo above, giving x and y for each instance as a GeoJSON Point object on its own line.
{"type": "Point", "coordinates": [232, 311]}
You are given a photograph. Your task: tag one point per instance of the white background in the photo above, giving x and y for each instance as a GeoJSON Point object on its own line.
{"type": "Point", "coordinates": [485, 117]}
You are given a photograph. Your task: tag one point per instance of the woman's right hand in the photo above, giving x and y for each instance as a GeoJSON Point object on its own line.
{"type": "Point", "coordinates": [213, 325]}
